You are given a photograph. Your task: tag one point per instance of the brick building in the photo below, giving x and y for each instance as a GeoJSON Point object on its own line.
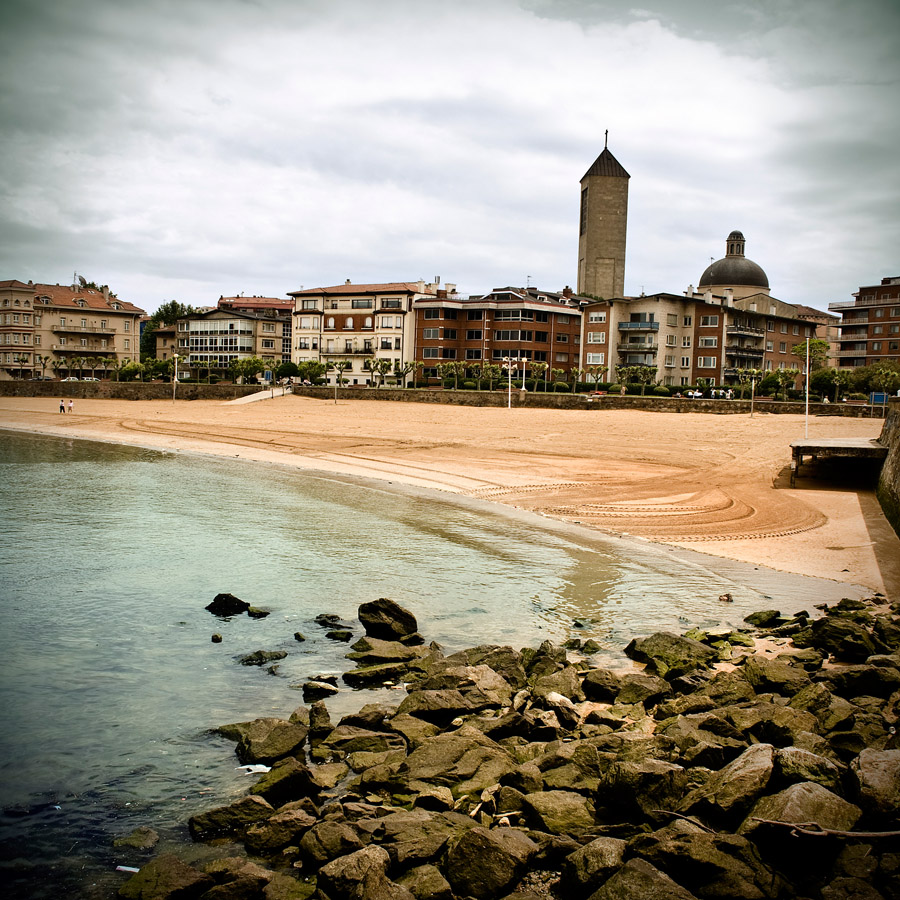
{"type": "Point", "coordinates": [870, 325]}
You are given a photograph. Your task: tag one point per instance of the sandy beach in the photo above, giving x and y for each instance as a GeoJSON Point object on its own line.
{"type": "Point", "coordinates": [717, 484]}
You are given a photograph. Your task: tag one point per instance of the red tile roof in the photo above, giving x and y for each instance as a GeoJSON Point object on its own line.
{"type": "Point", "coordinates": [64, 295]}
{"type": "Point", "coordinates": [393, 287]}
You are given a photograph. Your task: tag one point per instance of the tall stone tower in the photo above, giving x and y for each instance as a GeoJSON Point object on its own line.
{"type": "Point", "coordinates": [601, 231]}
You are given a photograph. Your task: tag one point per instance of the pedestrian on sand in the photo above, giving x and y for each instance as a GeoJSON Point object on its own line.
{"type": "Point", "coordinates": [62, 405]}
{"type": "Point", "coordinates": [71, 406]}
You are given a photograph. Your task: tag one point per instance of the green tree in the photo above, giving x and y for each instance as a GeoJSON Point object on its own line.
{"type": "Point", "coordinates": [43, 362]}
{"type": "Point", "coordinates": [818, 353]}
{"type": "Point", "coordinates": [748, 376]}
{"type": "Point", "coordinates": [379, 368]}
{"type": "Point", "coordinates": [886, 378]}
{"type": "Point", "coordinates": [400, 372]}
{"type": "Point", "coordinates": [167, 314]}
{"type": "Point", "coordinates": [287, 369]}
{"type": "Point", "coordinates": [247, 368]}
{"type": "Point", "coordinates": [540, 372]}
{"type": "Point", "coordinates": [453, 370]}
{"type": "Point", "coordinates": [21, 360]}
{"type": "Point", "coordinates": [784, 378]}
{"type": "Point", "coordinates": [490, 373]}
{"type": "Point", "coordinates": [311, 370]}
{"type": "Point", "coordinates": [340, 366]}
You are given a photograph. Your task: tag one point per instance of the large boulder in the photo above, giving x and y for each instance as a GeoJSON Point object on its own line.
{"type": "Point", "coordinates": [560, 812]}
{"type": "Point", "coordinates": [876, 776]}
{"type": "Point", "coordinates": [635, 788]}
{"type": "Point", "coordinates": [714, 865]}
{"type": "Point", "coordinates": [426, 883]}
{"type": "Point", "coordinates": [804, 803]}
{"type": "Point", "coordinates": [646, 689]}
{"type": "Point", "coordinates": [267, 740]}
{"type": "Point", "coordinates": [464, 760]}
{"type": "Point", "coordinates": [831, 711]}
{"type": "Point", "coordinates": [361, 875]}
{"type": "Point", "coordinates": [592, 864]}
{"type": "Point", "coordinates": [639, 880]}
{"type": "Point", "coordinates": [289, 779]}
{"type": "Point", "coordinates": [485, 863]}
{"type": "Point", "coordinates": [283, 828]}
{"type": "Point", "coordinates": [794, 765]}
{"type": "Point", "coordinates": [734, 788]}
{"type": "Point", "coordinates": [868, 680]}
{"type": "Point", "coordinates": [231, 819]}
{"type": "Point", "coordinates": [671, 655]}
{"type": "Point", "coordinates": [480, 684]}
{"type": "Point", "coordinates": [843, 637]}
{"type": "Point", "coordinates": [601, 685]}
{"type": "Point", "coordinates": [328, 840]}
{"type": "Point", "coordinates": [164, 878]}
{"type": "Point", "coordinates": [387, 620]}
{"type": "Point", "coordinates": [770, 676]}
{"type": "Point", "coordinates": [227, 605]}
{"type": "Point", "coordinates": [352, 739]}
{"type": "Point", "coordinates": [419, 836]}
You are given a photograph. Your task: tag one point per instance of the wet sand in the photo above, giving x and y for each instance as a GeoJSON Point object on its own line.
{"type": "Point", "coordinates": [717, 484]}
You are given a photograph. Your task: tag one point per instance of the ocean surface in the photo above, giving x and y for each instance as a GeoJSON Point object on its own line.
{"type": "Point", "coordinates": [110, 684]}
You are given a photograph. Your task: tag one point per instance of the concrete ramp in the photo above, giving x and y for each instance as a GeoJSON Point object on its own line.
{"type": "Point", "coordinates": [265, 394]}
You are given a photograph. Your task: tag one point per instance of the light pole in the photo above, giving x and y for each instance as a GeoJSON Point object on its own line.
{"type": "Point", "coordinates": [512, 362]}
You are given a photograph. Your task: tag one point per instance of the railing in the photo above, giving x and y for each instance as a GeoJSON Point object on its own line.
{"type": "Point", "coordinates": [80, 351]}
{"type": "Point", "coordinates": [734, 350]}
{"type": "Point", "coordinates": [81, 329]}
{"type": "Point", "coordinates": [853, 304]}
{"type": "Point", "coordinates": [744, 329]}
{"type": "Point", "coordinates": [369, 352]}
{"type": "Point", "coordinates": [844, 354]}
{"type": "Point", "coordinates": [637, 348]}
{"type": "Point", "coordinates": [638, 326]}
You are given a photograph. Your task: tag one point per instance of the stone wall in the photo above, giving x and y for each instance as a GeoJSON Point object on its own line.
{"type": "Point", "coordinates": [124, 390]}
{"type": "Point", "coordinates": [889, 480]}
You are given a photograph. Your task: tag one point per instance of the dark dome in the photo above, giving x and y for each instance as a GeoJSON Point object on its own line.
{"type": "Point", "coordinates": [734, 270]}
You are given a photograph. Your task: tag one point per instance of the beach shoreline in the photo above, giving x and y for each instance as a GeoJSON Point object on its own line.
{"type": "Point", "coordinates": [713, 484]}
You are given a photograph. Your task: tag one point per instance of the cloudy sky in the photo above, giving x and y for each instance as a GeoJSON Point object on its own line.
{"type": "Point", "coordinates": [183, 149]}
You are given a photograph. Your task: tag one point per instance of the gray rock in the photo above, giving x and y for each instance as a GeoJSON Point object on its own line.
{"type": "Point", "coordinates": [638, 880]}
{"type": "Point", "coordinates": [670, 654]}
{"type": "Point", "coordinates": [439, 707]}
{"type": "Point", "coordinates": [426, 883]}
{"type": "Point", "coordinates": [261, 657]}
{"type": "Point", "coordinates": [859, 680]}
{"type": "Point", "coordinates": [768, 675]}
{"type": "Point", "coordinates": [328, 840]}
{"type": "Point", "coordinates": [231, 819]}
{"type": "Point", "coordinates": [803, 803]}
{"type": "Point", "coordinates": [258, 612]}
{"type": "Point", "coordinates": [485, 863]}
{"type": "Point", "coordinates": [714, 865]}
{"type": "Point", "coordinates": [361, 875]}
{"type": "Point", "coordinates": [419, 836]}
{"type": "Point", "coordinates": [876, 774]}
{"type": "Point", "coordinates": [318, 690]}
{"type": "Point", "coordinates": [351, 739]}
{"type": "Point", "coordinates": [227, 605]}
{"type": "Point", "coordinates": [378, 674]}
{"type": "Point", "coordinates": [278, 831]}
{"type": "Point", "coordinates": [733, 789]}
{"type": "Point", "coordinates": [560, 812]}
{"type": "Point", "coordinates": [832, 712]}
{"type": "Point", "coordinates": [842, 637]}
{"type": "Point", "coordinates": [601, 685]}
{"type": "Point", "coordinates": [368, 651]}
{"type": "Point", "coordinates": [765, 618]}
{"type": "Point", "coordinates": [142, 838]}
{"type": "Point", "coordinates": [268, 740]}
{"type": "Point", "coordinates": [646, 689]}
{"type": "Point", "coordinates": [565, 680]}
{"type": "Point", "coordinates": [289, 779]}
{"type": "Point", "coordinates": [586, 868]}
{"type": "Point", "coordinates": [850, 889]}
{"type": "Point", "coordinates": [794, 765]}
{"type": "Point", "coordinates": [635, 788]}
{"type": "Point", "coordinates": [163, 878]}
{"type": "Point", "coordinates": [386, 619]}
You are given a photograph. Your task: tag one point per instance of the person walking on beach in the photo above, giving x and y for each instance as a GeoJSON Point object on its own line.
{"type": "Point", "coordinates": [62, 405]}
{"type": "Point", "coordinates": [71, 406]}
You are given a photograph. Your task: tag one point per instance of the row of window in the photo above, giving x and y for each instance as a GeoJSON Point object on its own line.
{"type": "Point", "coordinates": [473, 355]}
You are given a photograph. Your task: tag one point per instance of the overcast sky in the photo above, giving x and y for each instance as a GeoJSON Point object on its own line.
{"type": "Point", "coordinates": [184, 149]}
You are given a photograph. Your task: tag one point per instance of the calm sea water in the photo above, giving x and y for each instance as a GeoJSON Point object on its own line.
{"type": "Point", "coordinates": [110, 683]}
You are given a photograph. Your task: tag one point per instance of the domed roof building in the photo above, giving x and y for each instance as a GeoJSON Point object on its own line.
{"type": "Point", "coordinates": [735, 271]}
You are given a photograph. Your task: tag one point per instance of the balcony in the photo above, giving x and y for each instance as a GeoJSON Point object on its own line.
{"type": "Point", "coordinates": [855, 304]}
{"type": "Point", "coordinates": [745, 330]}
{"type": "Point", "coordinates": [851, 354]}
{"type": "Point", "coordinates": [736, 350]}
{"type": "Point", "coordinates": [637, 348]}
{"type": "Point", "coordinates": [345, 352]}
{"type": "Point", "coordinates": [81, 329]}
{"type": "Point", "coordinates": [638, 326]}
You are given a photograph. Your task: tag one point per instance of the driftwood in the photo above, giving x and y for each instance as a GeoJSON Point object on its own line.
{"type": "Point", "coordinates": [813, 829]}
{"type": "Point", "coordinates": [691, 819]}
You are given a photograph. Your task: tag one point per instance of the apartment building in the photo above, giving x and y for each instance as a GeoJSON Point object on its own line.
{"type": "Point", "coordinates": [525, 324]}
{"type": "Point", "coordinates": [355, 323]}
{"type": "Point", "coordinates": [870, 325]}
{"type": "Point", "coordinates": [216, 337]}
{"type": "Point", "coordinates": [692, 335]}
{"type": "Point", "coordinates": [55, 329]}
{"type": "Point", "coordinates": [266, 307]}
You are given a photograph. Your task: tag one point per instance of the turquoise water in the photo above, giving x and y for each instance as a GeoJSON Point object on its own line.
{"type": "Point", "coordinates": [110, 682]}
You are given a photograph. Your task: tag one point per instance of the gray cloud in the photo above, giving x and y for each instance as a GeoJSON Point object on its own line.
{"type": "Point", "coordinates": [198, 148]}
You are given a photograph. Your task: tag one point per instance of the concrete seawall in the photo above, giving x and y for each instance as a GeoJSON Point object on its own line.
{"type": "Point", "coordinates": [889, 480]}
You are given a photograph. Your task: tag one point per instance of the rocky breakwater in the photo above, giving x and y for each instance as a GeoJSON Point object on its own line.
{"type": "Point", "coordinates": [759, 763]}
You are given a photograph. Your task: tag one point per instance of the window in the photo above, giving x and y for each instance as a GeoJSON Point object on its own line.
{"type": "Point", "coordinates": [386, 344]}
{"type": "Point", "coordinates": [429, 353]}
{"type": "Point", "coordinates": [877, 329]}
{"type": "Point", "coordinates": [784, 327]}
{"type": "Point", "coordinates": [670, 361]}
{"type": "Point", "coordinates": [770, 325]}
{"type": "Point", "coordinates": [448, 353]}
{"type": "Point", "coordinates": [542, 336]}
{"type": "Point", "coordinates": [597, 317]}
{"type": "Point", "coordinates": [451, 313]}
{"type": "Point", "coordinates": [392, 304]}
{"type": "Point", "coordinates": [429, 314]}
{"type": "Point", "coordinates": [708, 321]}
{"type": "Point", "coordinates": [770, 345]}
{"type": "Point", "coordinates": [83, 341]}
{"type": "Point", "coordinates": [687, 321]}
{"type": "Point", "coordinates": [303, 344]}
{"type": "Point", "coordinates": [876, 346]}
{"type": "Point", "coordinates": [596, 359]}
{"type": "Point", "coordinates": [83, 322]}
{"type": "Point", "coordinates": [103, 344]}
{"type": "Point", "coordinates": [782, 347]}
{"type": "Point", "coordinates": [397, 343]}
{"type": "Point", "coordinates": [474, 314]}
{"type": "Point", "coordinates": [268, 345]}
{"type": "Point", "coordinates": [473, 354]}
{"type": "Point", "coordinates": [269, 327]}
{"type": "Point", "coordinates": [367, 322]}
{"type": "Point", "coordinates": [126, 325]}
{"type": "Point", "coordinates": [796, 329]}
{"type": "Point", "coordinates": [562, 357]}
{"type": "Point", "coordinates": [686, 340]}
{"type": "Point", "coordinates": [685, 362]}
{"type": "Point", "coordinates": [563, 320]}
{"type": "Point", "coordinates": [348, 322]}
{"type": "Point", "coordinates": [562, 339]}
{"type": "Point", "coordinates": [362, 304]}
{"type": "Point", "coordinates": [708, 342]}
{"type": "Point", "coordinates": [582, 224]}
{"type": "Point", "coordinates": [706, 362]}
{"type": "Point", "coordinates": [879, 313]}
{"type": "Point", "coordinates": [449, 334]}
{"type": "Point", "coordinates": [672, 319]}
{"type": "Point", "coordinates": [431, 334]}
{"type": "Point", "coordinates": [671, 340]}
{"type": "Point", "coordinates": [895, 311]}
{"type": "Point", "coordinates": [543, 317]}
{"type": "Point", "coordinates": [596, 337]}
{"type": "Point", "coordinates": [474, 334]}
{"type": "Point", "coordinates": [62, 321]}
{"type": "Point", "coordinates": [894, 329]}
{"type": "Point", "coordinates": [310, 304]}
{"type": "Point", "coordinates": [127, 344]}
